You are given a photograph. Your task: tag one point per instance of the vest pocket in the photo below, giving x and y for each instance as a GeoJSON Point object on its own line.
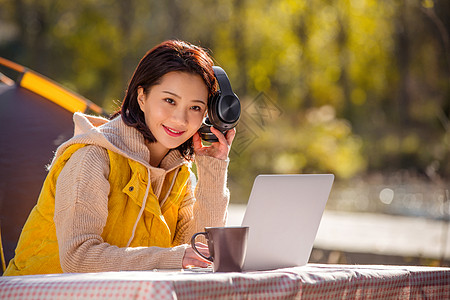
{"type": "Point", "coordinates": [135, 189]}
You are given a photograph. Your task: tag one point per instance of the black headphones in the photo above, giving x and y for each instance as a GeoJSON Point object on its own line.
{"type": "Point", "coordinates": [224, 108]}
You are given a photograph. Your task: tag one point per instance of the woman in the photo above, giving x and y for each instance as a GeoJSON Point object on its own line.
{"type": "Point", "coordinates": [119, 194]}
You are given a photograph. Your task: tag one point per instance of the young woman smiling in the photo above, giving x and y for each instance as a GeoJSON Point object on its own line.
{"type": "Point", "coordinates": [120, 194]}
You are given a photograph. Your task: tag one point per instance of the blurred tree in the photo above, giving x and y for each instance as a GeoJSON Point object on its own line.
{"type": "Point", "coordinates": [334, 86]}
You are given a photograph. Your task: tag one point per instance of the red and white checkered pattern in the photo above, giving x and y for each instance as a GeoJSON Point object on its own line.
{"type": "Point", "coordinates": [126, 285]}
{"type": "Point", "coordinates": [308, 282]}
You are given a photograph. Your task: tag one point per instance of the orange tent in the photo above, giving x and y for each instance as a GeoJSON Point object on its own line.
{"type": "Point", "coordinates": [35, 117]}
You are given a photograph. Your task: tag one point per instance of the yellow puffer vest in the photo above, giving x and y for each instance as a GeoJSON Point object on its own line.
{"type": "Point", "coordinates": [37, 250]}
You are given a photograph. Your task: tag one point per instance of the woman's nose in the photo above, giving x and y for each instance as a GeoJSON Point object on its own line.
{"type": "Point", "coordinates": [180, 116]}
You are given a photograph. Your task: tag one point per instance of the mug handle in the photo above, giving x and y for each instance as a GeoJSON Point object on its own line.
{"type": "Point", "coordinates": [195, 248]}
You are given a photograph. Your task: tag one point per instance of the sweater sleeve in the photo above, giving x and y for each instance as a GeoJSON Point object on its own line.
{"type": "Point", "coordinates": [81, 211]}
{"type": "Point", "coordinates": [206, 204]}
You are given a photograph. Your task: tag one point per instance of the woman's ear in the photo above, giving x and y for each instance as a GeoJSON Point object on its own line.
{"type": "Point", "coordinates": [141, 97]}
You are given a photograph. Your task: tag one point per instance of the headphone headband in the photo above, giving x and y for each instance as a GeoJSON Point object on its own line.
{"type": "Point", "coordinates": [222, 79]}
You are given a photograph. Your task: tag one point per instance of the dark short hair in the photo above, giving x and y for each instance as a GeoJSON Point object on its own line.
{"type": "Point", "coordinates": [169, 56]}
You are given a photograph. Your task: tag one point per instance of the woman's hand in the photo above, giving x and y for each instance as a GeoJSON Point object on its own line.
{"type": "Point", "coordinates": [220, 149]}
{"type": "Point", "coordinates": [192, 259]}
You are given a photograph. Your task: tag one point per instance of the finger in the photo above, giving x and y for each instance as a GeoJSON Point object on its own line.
{"type": "Point", "coordinates": [197, 141]}
{"type": "Point", "coordinates": [230, 136]}
{"type": "Point", "coordinates": [200, 245]}
{"type": "Point", "coordinates": [194, 262]}
{"type": "Point", "coordinates": [219, 136]}
{"type": "Point", "coordinates": [204, 251]}
{"type": "Point", "coordinates": [190, 254]}
{"type": "Point", "coordinates": [191, 258]}
{"type": "Point", "coordinates": [202, 248]}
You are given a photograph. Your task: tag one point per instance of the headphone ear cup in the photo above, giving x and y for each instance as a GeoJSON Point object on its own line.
{"type": "Point", "coordinates": [213, 112]}
{"type": "Point", "coordinates": [224, 108]}
{"type": "Point", "coordinates": [224, 111]}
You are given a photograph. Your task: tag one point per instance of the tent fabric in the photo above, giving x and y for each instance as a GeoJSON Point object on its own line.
{"type": "Point", "coordinates": [31, 128]}
{"type": "Point", "coordinates": [35, 118]}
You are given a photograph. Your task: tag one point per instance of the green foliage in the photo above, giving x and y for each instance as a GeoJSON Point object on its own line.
{"type": "Point", "coordinates": [359, 85]}
{"type": "Point", "coordinates": [315, 141]}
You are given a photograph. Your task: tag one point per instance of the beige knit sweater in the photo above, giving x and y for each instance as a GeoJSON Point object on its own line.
{"type": "Point", "coordinates": [81, 199]}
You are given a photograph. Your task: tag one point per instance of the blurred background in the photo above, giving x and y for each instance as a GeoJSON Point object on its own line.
{"type": "Point", "coordinates": [360, 89]}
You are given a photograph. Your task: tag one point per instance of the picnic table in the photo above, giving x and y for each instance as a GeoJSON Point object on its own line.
{"type": "Point", "coordinates": [313, 281]}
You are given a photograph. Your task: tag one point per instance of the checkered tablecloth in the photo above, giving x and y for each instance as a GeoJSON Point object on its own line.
{"type": "Point", "coordinates": [313, 281]}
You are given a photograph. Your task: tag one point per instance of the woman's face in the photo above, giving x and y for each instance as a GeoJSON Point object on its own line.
{"type": "Point", "coordinates": [174, 109]}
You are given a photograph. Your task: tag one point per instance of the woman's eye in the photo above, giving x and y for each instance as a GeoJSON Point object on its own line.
{"type": "Point", "coordinates": [170, 101]}
{"type": "Point", "coordinates": [196, 108]}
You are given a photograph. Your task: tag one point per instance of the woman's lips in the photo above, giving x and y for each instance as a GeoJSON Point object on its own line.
{"type": "Point", "coordinates": [172, 132]}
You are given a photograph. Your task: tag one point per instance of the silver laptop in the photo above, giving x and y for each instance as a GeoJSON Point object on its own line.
{"type": "Point", "coordinates": [284, 213]}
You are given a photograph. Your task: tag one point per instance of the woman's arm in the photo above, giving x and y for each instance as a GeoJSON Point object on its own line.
{"type": "Point", "coordinates": [81, 211]}
{"type": "Point", "coordinates": [208, 208]}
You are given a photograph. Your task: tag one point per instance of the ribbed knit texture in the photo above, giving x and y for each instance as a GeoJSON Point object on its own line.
{"type": "Point", "coordinates": [81, 202]}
